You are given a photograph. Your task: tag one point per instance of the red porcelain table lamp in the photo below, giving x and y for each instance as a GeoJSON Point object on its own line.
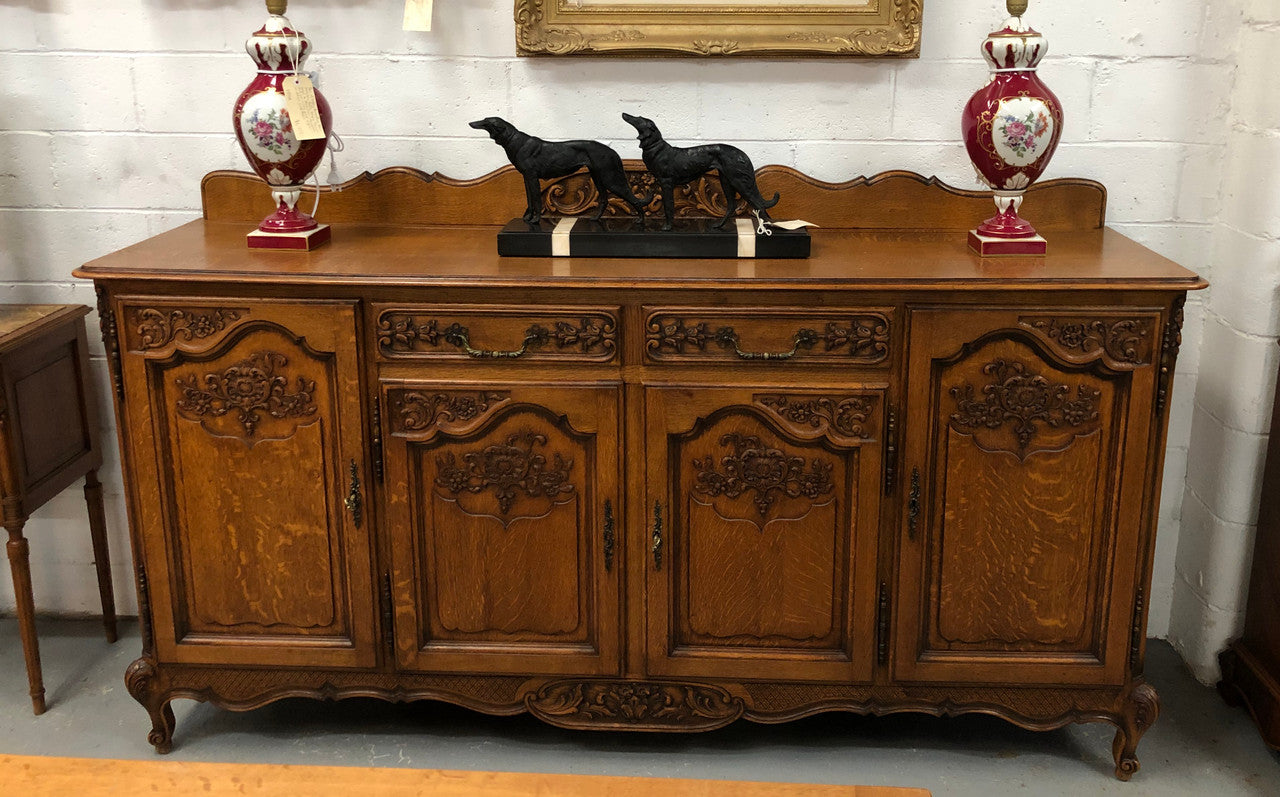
{"type": "Point", "coordinates": [268, 137]}
{"type": "Point", "coordinates": [1011, 128]}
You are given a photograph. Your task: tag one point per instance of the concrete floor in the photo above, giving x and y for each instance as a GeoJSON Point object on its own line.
{"type": "Point", "coordinates": [1198, 747]}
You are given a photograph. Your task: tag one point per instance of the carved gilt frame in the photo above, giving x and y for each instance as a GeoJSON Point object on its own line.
{"type": "Point", "coordinates": [718, 27]}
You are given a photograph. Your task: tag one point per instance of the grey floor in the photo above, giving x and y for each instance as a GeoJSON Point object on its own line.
{"type": "Point", "coordinates": [1198, 747]}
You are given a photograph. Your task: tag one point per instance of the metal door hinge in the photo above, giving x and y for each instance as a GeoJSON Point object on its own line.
{"type": "Point", "coordinates": [377, 438]}
{"type": "Point", "coordinates": [1135, 632]}
{"type": "Point", "coordinates": [913, 504]}
{"type": "Point", "coordinates": [890, 450]}
{"type": "Point", "coordinates": [608, 535]}
{"type": "Point", "coordinates": [657, 535]}
{"type": "Point", "coordinates": [882, 624]}
{"type": "Point", "coordinates": [388, 617]}
{"type": "Point", "coordinates": [353, 501]}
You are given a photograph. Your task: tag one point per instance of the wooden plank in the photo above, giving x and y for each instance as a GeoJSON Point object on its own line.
{"type": "Point", "coordinates": [44, 776]}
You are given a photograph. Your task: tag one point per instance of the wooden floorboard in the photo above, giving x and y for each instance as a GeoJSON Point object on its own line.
{"type": "Point", "coordinates": [43, 776]}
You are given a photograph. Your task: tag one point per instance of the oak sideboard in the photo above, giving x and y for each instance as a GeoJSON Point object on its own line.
{"type": "Point", "coordinates": [646, 494]}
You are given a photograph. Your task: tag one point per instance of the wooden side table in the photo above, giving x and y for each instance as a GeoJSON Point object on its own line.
{"type": "Point", "coordinates": [48, 439]}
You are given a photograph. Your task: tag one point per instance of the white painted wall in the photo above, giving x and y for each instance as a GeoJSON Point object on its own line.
{"type": "Point", "coordinates": [1233, 400]}
{"type": "Point", "coordinates": [112, 110]}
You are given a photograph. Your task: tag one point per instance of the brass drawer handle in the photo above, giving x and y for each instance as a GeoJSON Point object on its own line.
{"type": "Point", "coordinates": [353, 501]}
{"type": "Point", "coordinates": [913, 504]}
{"type": "Point", "coordinates": [460, 336]}
{"type": "Point", "coordinates": [608, 535]}
{"type": "Point", "coordinates": [803, 339]}
{"type": "Point", "coordinates": [657, 535]}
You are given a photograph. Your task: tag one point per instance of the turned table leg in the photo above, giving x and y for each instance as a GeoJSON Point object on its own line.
{"type": "Point", "coordinates": [101, 554]}
{"type": "Point", "coordinates": [20, 565]}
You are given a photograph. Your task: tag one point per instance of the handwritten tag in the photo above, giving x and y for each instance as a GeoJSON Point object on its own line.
{"type": "Point", "coordinates": [300, 99]}
{"type": "Point", "coordinates": [417, 14]}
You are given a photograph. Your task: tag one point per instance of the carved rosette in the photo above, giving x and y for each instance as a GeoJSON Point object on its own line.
{"type": "Point", "coordinates": [247, 389]}
{"type": "Point", "coordinates": [637, 705]}
{"type": "Point", "coordinates": [157, 328]}
{"type": "Point", "coordinates": [767, 473]}
{"type": "Point", "coordinates": [419, 411]}
{"type": "Point", "coordinates": [1121, 340]}
{"type": "Point", "coordinates": [508, 470]}
{"type": "Point", "coordinates": [847, 415]}
{"type": "Point", "coordinates": [1022, 399]}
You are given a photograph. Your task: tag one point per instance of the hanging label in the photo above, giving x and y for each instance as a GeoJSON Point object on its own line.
{"type": "Point", "coordinates": [300, 99]}
{"type": "Point", "coordinates": [417, 14]}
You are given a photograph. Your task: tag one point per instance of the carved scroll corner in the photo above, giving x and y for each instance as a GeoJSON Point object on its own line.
{"type": "Point", "coordinates": [414, 411]}
{"type": "Point", "coordinates": [1119, 342]}
{"type": "Point", "coordinates": [851, 416]}
{"type": "Point", "coordinates": [152, 328]}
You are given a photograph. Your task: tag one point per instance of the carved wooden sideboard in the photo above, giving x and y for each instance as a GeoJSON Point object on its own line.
{"type": "Point", "coordinates": [646, 494]}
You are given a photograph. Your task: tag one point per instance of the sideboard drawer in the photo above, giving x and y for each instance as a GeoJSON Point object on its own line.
{"type": "Point", "coordinates": [489, 332]}
{"type": "Point", "coordinates": [861, 336]}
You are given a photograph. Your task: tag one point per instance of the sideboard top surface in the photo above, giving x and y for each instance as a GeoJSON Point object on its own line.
{"type": "Point", "coordinates": [895, 231]}
{"type": "Point", "coordinates": [215, 252]}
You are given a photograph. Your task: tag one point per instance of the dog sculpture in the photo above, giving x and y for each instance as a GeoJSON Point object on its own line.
{"type": "Point", "coordinates": [537, 159]}
{"type": "Point", "coordinates": [672, 166]}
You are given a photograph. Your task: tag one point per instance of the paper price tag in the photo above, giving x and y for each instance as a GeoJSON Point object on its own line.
{"type": "Point", "coordinates": [417, 14]}
{"type": "Point", "coordinates": [300, 100]}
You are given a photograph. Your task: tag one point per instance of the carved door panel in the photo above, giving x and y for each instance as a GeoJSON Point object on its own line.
{"type": "Point", "coordinates": [502, 513]}
{"type": "Point", "coordinates": [1028, 436]}
{"type": "Point", "coordinates": [763, 505]}
{"type": "Point", "coordinates": [245, 427]}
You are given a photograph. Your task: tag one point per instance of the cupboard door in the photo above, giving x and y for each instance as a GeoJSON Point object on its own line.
{"type": "Point", "coordinates": [762, 549]}
{"type": "Point", "coordinates": [503, 512]}
{"type": "Point", "coordinates": [247, 443]}
{"type": "Point", "coordinates": [1022, 521]}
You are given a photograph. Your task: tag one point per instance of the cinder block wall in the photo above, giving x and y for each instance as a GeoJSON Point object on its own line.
{"type": "Point", "coordinates": [1233, 399]}
{"type": "Point", "coordinates": [112, 110]}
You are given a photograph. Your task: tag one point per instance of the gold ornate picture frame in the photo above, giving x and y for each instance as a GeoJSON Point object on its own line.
{"type": "Point", "coordinates": [718, 27]}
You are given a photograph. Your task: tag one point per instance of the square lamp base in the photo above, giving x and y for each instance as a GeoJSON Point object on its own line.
{"type": "Point", "coordinates": [297, 241]}
{"type": "Point", "coordinates": [1006, 247]}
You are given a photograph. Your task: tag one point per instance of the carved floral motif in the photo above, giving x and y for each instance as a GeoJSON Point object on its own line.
{"type": "Point", "coordinates": [248, 389]}
{"type": "Point", "coordinates": [1017, 396]}
{"type": "Point", "coordinates": [847, 415]}
{"type": "Point", "coordinates": [635, 703]}
{"type": "Point", "coordinates": [768, 473]}
{"type": "Point", "coordinates": [1169, 353]}
{"type": "Point", "coordinates": [865, 336]}
{"type": "Point", "coordinates": [157, 328]}
{"type": "Point", "coordinates": [401, 332]}
{"type": "Point", "coordinates": [1124, 340]}
{"type": "Point", "coordinates": [508, 469]}
{"type": "Point", "coordinates": [416, 411]}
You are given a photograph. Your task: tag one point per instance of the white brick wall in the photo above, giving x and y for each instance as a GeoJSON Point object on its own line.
{"type": "Point", "coordinates": [112, 110]}
{"type": "Point", "coordinates": [1233, 397]}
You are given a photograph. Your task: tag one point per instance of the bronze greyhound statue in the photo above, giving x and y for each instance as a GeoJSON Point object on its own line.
{"type": "Point", "coordinates": [672, 166]}
{"type": "Point", "coordinates": [537, 159]}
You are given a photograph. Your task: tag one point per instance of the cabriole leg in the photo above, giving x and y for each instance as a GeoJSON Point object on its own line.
{"type": "Point", "coordinates": [1140, 710]}
{"type": "Point", "coordinates": [140, 679]}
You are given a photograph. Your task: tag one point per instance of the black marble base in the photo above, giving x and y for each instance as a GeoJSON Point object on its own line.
{"type": "Point", "coordinates": [625, 237]}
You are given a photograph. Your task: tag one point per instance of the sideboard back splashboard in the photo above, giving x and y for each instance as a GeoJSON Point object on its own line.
{"type": "Point", "coordinates": [646, 495]}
